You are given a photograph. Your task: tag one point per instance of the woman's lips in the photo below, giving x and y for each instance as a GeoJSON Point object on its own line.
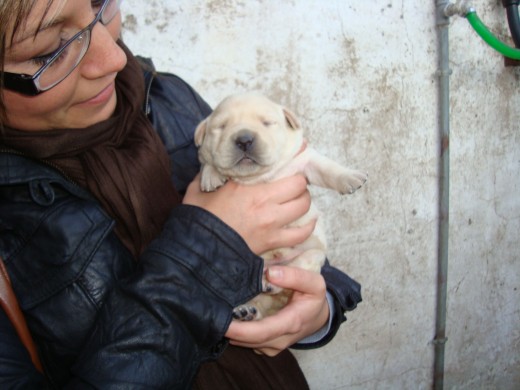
{"type": "Point", "coordinates": [102, 97]}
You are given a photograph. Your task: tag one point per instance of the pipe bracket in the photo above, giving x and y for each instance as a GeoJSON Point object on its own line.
{"type": "Point", "coordinates": [444, 73]}
{"type": "Point", "coordinates": [440, 341]}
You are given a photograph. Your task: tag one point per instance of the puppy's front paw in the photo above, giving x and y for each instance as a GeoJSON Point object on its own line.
{"type": "Point", "coordinates": [352, 181]}
{"type": "Point", "coordinates": [210, 183]}
{"type": "Point", "coordinates": [245, 313]}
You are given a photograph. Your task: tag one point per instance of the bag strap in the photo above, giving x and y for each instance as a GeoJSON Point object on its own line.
{"type": "Point", "coordinates": [11, 307]}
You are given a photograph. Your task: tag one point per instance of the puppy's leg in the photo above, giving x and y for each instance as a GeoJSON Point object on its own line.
{"type": "Point", "coordinates": [210, 179]}
{"type": "Point", "coordinates": [324, 172]}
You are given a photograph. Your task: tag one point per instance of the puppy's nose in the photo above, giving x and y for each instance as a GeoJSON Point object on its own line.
{"type": "Point", "coordinates": [245, 141]}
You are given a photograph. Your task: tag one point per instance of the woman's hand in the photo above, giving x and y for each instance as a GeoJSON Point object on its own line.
{"type": "Point", "coordinates": [305, 314]}
{"type": "Point", "coordinates": [259, 213]}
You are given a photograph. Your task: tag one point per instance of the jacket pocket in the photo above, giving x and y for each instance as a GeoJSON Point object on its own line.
{"type": "Point", "coordinates": [54, 248]}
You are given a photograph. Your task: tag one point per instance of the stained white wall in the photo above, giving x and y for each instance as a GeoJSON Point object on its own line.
{"type": "Point", "coordinates": [362, 77]}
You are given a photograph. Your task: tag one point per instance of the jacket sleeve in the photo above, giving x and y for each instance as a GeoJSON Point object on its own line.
{"type": "Point", "coordinates": [158, 325]}
{"type": "Point", "coordinates": [345, 293]}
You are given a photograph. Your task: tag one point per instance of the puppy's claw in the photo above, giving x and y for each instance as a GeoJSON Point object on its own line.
{"type": "Point", "coordinates": [354, 182]}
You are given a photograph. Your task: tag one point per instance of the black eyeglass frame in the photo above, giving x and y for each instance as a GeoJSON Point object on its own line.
{"type": "Point", "coordinates": [28, 85]}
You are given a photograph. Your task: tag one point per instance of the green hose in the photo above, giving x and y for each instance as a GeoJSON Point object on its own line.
{"type": "Point", "coordinates": [490, 39]}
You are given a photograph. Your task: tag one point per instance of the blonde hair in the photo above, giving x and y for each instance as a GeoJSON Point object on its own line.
{"type": "Point", "coordinates": [13, 15]}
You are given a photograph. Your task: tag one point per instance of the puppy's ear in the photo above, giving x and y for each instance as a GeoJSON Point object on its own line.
{"type": "Point", "coordinates": [291, 119]}
{"type": "Point", "coordinates": [200, 132]}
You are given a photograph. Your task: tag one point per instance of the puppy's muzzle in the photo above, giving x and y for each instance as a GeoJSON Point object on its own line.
{"type": "Point", "coordinates": [245, 140]}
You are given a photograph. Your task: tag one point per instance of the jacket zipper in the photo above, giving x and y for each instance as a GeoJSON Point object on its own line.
{"type": "Point", "coordinates": [147, 108]}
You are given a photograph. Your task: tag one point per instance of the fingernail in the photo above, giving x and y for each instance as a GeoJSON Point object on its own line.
{"type": "Point", "coordinates": [274, 273]}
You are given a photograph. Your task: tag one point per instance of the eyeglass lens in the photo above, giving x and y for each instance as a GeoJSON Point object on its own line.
{"type": "Point", "coordinates": [110, 11]}
{"type": "Point", "coordinates": [61, 66]}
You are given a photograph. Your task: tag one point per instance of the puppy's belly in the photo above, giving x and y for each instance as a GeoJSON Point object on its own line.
{"type": "Point", "coordinates": [297, 255]}
{"type": "Point", "coordinates": [309, 255]}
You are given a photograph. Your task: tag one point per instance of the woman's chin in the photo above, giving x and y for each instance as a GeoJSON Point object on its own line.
{"type": "Point", "coordinates": [86, 116]}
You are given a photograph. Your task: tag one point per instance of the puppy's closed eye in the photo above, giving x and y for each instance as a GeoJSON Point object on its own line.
{"type": "Point", "coordinates": [219, 125]}
{"type": "Point", "coordinates": [269, 122]}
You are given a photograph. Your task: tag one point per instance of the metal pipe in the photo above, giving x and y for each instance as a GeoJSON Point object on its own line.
{"type": "Point", "coordinates": [439, 341]}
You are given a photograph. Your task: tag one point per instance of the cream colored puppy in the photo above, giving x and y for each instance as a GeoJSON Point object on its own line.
{"type": "Point", "coordinates": [250, 139]}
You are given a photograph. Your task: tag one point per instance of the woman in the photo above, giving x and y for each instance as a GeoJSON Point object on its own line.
{"type": "Point", "coordinates": [126, 273]}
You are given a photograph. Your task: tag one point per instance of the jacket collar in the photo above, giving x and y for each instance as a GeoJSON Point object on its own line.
{"type": "Point", "coordinates": [149, 75]}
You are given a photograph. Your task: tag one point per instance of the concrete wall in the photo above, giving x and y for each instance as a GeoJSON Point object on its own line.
{"type": "Point", "coordinates": [362, 77]}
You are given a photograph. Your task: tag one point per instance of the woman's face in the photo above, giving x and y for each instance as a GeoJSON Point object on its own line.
{"type": "Point", "coordinates": [87, 96]}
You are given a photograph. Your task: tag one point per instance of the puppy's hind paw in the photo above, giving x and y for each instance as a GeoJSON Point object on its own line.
{"type": "Point", "coordinates": [245, 313]}
{"type": "Point", "coordinates": [269, 288]}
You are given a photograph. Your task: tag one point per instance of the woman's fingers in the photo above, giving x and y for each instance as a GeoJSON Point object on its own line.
{"type": "Point", "coordinates": [297, 279]}
{"type": "Point", "coordinates": [259, 213]}
{"type": "Point", "coordinates": [306, 313]}
{"type": "Point", "coordinates": [287, 188]}
{"type": "Point", "coordinates": [270, 335]}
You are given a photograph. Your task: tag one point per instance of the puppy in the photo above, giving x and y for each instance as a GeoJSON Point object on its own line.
{"type": "Point", "coordinates": [250, 139]}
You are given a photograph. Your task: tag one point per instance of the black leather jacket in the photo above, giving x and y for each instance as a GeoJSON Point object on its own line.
{"type": "Point", "coordinates": [100, 319]}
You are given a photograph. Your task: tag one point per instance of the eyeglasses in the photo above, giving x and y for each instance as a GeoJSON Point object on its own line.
{"type": "Point", "coordinates": [62, 62]}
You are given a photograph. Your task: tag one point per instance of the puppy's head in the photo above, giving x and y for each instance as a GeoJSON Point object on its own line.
{"type": "Point", "coordinates": [248, 135]}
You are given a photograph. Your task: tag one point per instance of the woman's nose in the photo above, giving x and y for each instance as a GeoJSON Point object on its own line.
{"type": "Point", "coordinates": [104, 55]}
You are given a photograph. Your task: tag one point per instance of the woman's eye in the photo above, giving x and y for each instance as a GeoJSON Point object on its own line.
{"type": "Point", "coordinates": [45, 58]}
{"type": "Point", "coordinates": [96, 5]}
{"type": "Point", "coordinates": [42, 60]}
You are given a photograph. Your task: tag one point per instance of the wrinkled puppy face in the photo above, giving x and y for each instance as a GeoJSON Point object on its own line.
{"type": "Point", "coordinates": [248, 135]}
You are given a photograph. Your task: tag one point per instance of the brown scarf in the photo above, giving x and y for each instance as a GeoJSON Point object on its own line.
{"type": "Point", "coordinates": [121, 161]}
